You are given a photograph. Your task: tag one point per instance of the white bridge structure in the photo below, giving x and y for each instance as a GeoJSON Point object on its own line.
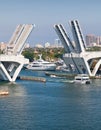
{"type": "Point", "coordinates": [76, 55]}
{"type": "Point", "coordinates": [11, 62]}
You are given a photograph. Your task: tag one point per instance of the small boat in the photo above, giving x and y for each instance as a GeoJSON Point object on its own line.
{"type": "Point", "coordinates": [52, 75]}
{"type": "Point", "coordinates": [82, 79]}
{"type": "Point", "coordinates": [41, 64]}
{"type": "Point", "coordinates": [64, 68]}
{"type": "Point", "coordinates": [3, 93]}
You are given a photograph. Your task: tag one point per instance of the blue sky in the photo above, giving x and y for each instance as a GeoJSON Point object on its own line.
{"type": "Point", "coordinates": [45, 13]}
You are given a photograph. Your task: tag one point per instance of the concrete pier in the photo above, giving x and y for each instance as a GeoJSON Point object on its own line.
{"type": "Point", "coordinates": [40, 79]}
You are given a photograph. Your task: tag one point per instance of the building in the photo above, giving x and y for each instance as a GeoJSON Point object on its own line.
{"type": "Point", "coordinates": [47, 45]}
{"type": "Point", "coordinates": [90, 39]}
{"type": "Point", "coordinates": [39, 46]}
{"type": "Point", "coordinates": [3, 46]}
{"type": "Point", "coordinates": [93, 40]}
{"type": "Point", "coordinates": [57, 43]}
{"type": "Point", "coordinates": [98, 40]}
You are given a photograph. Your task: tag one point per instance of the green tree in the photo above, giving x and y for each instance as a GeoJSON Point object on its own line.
{"type": "Point", "coordinates": [29, 55]}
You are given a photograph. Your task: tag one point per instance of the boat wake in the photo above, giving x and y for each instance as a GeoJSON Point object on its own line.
{"type": "Point", "coordinates": [60, 80]}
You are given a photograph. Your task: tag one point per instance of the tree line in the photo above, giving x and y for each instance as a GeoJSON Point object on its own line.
{"type": "Point", "coordinates": [50, 54]}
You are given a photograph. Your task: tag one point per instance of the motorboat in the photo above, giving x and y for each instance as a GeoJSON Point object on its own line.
{"type": "Point", "coordinates": [61, 66]}
{"type": "Point", "coordinates": [2, 93]}
{"type": "Point", "coordinates": [64, 68]}
{"type": "Point", "coordinates": [82, 79]}
{"type": "Point", "coordinates": [41, 64]}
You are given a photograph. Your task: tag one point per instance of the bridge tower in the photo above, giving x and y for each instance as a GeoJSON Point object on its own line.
{"type": "Point", "coordinates": [76, 55]}
{"type": "Point", "coordinates": [12, 61]}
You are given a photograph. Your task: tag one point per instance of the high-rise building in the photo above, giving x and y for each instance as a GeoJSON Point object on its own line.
{"type": "Point", "coordinates": [90, 39]}
{"type": "Point", "coordinates": [58, 43]}
{"type": "Point", "coordinates": [98, 40]}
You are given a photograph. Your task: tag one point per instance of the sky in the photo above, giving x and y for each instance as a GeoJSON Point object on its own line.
{"type": "Point", "coordinates": [44, 14]}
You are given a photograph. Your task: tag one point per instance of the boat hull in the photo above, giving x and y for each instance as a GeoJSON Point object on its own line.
{"type": "Point", "coordinates": [82, 79]}
{"type": "Point", "coordinates": [42, 68]}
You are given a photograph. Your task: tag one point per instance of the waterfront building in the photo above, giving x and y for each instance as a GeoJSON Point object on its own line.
{"type": "Point", "coordinates": [92, 40]}
{"type": "Point", "coordinates": [47, 45]}
{"type": "Point", "coordinates": [98, 40]}
{"type": "Point", "coordinates": [39, 46]}
{"type": "Point", "coordinates": [3, 46]}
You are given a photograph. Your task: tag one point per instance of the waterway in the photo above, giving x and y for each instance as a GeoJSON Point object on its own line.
{"type": "Point", "coordinates": [54, 105]}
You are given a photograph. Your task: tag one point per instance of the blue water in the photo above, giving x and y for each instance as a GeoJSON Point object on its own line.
{"type": "Point", "coordinates": [54, 105]}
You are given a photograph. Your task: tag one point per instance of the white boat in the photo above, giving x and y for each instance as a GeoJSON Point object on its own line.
{"type": "Point", "coordinates": [82, 79]}
{"type": "Point", "coordinates": [64, 68]}
{"type": "Point", "coordinates": [41, 64]}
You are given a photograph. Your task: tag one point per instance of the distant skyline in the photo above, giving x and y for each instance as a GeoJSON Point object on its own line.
{"type": "Point", "coordinates": [44, 14]}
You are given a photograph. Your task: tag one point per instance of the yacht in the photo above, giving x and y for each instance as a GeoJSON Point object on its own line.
{"type": "Point", "coordinates": [41, 64]}
{"type": "Point", "coordinates": [82, 79]}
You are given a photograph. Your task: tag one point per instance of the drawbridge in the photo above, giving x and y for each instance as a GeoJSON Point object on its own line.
{"type": "Point", "coordinates": [76, 56]}
{"type": "Point", "coordinates": [11, 62]}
